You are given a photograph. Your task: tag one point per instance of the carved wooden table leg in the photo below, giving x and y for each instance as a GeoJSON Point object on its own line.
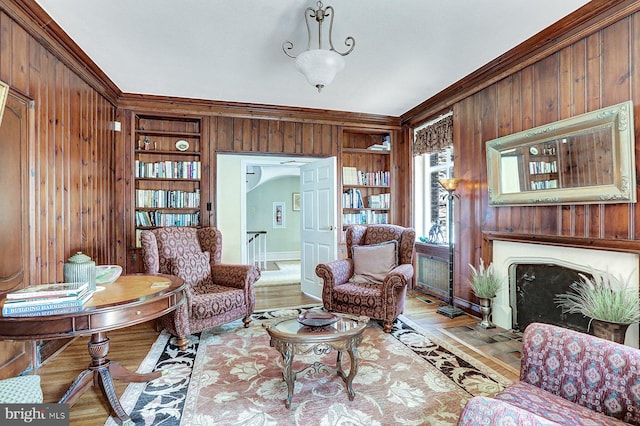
{"type": "Point", "coordinates": [348, 379]}
{"type": "Point", "coordinates": [288, 374]}
{"type": "Point", "coordinates": [102, 371]}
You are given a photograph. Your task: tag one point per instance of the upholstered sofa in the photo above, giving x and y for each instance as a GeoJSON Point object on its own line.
{"type": "Point", "coordinates": [367, 282]}
{"type": "Point", "coordinates": [567, 378]}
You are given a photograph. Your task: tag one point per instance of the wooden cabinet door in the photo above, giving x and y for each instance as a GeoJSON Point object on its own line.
{"type": "Point", "coordinates": [14, 263]}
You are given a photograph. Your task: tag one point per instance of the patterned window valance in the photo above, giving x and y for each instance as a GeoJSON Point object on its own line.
{"type": "Point", "coordinates": [434, 137]}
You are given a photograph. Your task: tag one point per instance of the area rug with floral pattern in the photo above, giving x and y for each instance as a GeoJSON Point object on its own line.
{"type": "Point", "coordinates": [230, 375]}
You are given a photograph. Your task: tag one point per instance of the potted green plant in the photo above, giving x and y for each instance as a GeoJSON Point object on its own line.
{"type": "Point", "coordinates": [609, 301]}
{"type": "Point", "coordinates": [484, 283]}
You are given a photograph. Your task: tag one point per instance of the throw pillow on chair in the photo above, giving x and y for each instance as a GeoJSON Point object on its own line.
{"type": "Point", "coordinates": [372, 263]}
{"type": "Point", "coordinates": [195, 268]}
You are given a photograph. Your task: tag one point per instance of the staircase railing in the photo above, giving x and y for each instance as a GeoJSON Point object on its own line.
{"type": "Point", "coordinates": [257, 249]}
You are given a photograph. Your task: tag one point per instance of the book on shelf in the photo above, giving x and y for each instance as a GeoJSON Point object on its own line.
{"type": "Point", "coordinates": [379, 201]}
{"type": "Point", "coordinates": [138, 238]}
{"type": "Point", "coordinates": [379, 178]}
{"type": "Point", "coordinates": [379, 147]}
{"type": "Point", "coordinates": [49, 290]}
{"type": "Point", "coordinates": [162, 198]}
{"type": "Point", "coordinates": [45, 304]}
{"type": "Point", "coordinates": [352, 199]}
{"type": "Point", "coordinates": [349, 175]}
{"type": "Point", "coordinates": [159, 218]}
{"type": "Point", "coordinates": [365, 218]}
{"type": "Point", "coordinates": [168, 169]}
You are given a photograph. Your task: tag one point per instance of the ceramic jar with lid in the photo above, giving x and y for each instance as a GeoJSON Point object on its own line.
{"type": "Point", "coordinates": [80, 267]}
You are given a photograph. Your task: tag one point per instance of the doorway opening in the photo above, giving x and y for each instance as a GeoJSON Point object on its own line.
{"type": "Point", "coordinates": [261, 210]}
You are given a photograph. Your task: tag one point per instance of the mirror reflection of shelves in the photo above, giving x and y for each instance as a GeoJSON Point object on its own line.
{"type": "Point", "coordinates": [167, 172]}
{"type": "Point", "coordinates": [543, 166]}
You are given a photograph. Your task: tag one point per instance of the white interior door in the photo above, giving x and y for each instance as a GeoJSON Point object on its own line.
{"type": "Point", "coordinates": [318, 233]}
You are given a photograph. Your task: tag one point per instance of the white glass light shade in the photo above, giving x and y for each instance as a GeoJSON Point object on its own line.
{"type": "Point", "coordinates": [319, 66]}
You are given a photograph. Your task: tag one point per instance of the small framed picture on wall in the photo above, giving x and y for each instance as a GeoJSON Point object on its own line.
{"type": "Point", "coordinates": [278, 214]}
{"type": "Point", "coordinates": [295, 202]}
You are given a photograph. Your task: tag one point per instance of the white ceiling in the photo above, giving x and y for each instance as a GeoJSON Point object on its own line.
{"type": "Point", "coordinates": [406, 50]}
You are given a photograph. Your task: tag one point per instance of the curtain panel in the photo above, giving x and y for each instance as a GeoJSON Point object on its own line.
{"type": "Point", "coordinates": [434, 137]}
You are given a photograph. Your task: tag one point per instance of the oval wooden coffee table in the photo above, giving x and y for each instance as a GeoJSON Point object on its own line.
{"type": "Point", "coordinates": [130, 300]}
{"type": "Point", "coordinates": [291, 338]}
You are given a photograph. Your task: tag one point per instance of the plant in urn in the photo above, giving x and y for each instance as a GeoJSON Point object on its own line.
{"type": "Point", "coordinates": [485, 282]}
{"type": "Point", "coordinates": [80, 268]}
{"type": "Point", "coordinates": [611, 302]}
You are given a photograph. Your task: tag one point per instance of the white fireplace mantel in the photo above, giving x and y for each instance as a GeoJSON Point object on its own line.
{"type": "Point", "coordinates": [507, 253]}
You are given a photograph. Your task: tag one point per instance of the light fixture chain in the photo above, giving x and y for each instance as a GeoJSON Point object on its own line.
{"type": "Point", "coordinates": [320, 19]}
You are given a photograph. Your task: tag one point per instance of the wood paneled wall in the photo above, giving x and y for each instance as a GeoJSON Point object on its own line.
{"type": "Point", "coordinates": [591, 72]}
{"type": "Point", "coordinates": [272, 131]}
{"type": "Point", "coordinates": [71, 152]}
{"type": "Point", "coordinates": [76, 162]}
{"type": "Point", "coordinates": [253, 135]}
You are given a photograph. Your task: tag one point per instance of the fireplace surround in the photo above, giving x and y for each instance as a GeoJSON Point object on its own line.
{"type": "Point", "coordinates": [507, 254]}
{"type": "Point", "coordinates": [532, 292]}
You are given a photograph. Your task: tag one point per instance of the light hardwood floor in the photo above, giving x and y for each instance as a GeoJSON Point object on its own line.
{"type": "Point", "coordinates": [130, 345]}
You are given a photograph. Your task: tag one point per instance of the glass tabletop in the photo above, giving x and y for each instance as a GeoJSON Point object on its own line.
{"type": "Point", "coordinates": [292, 328]}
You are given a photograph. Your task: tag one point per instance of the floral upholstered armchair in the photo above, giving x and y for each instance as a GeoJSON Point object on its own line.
{"type": "Point", "coordinates": [373, 279]}
{"type": "Point", "coordinates": [216, 293]}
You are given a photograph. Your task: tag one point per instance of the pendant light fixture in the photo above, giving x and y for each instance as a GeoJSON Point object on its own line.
{"type": "Point", "coordinates": [319, 66]}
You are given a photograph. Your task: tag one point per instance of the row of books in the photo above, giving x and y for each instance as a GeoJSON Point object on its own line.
{"type": "Point", "coordinates": [168, 169]}
{"type": "Point", "coordinates": [538, 167]}
{"type": "Point", "coordinates": [165, 198]}
{"type": "Point", "coordinates": [156, 218]}
{"type": "Point", "coordinates": [47, 299]}
{"type": "Point", "coordinates": [379, 201]}
{"type": "Point", "coordinates": [544, 184]}
{"type": "Point", "coordinates": [353, 176]}
{"type": "Point", "coordinates": [352, 199]}
{"type": "Point", "coordinates": [365, 217]}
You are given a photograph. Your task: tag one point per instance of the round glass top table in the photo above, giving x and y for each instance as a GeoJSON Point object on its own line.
{"type": "Point", "coordinates": [290, 338]}
{"type": "Point", "coordinates": [131, 299]}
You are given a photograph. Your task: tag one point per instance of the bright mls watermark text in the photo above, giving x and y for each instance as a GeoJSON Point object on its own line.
{"type": "Point", "coordinates": [34, 414]}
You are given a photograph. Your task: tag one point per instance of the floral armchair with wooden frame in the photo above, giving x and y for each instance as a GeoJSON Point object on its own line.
{"type": "Point", "coordinates": [217, 293]}
{"type": "Point", "coordinates": [373, 279]}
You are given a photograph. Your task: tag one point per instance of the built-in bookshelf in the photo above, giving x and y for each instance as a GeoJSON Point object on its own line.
{"type": "Point", "coordinates": [366, 178]}
{"type": "Point", "coordinates": [167, 172]}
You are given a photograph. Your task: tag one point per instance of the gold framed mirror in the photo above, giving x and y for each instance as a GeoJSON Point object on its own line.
{"type": "Point", "coordinates": [586, 159]}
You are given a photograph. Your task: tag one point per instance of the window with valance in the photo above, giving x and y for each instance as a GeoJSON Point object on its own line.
{"type": "Point", "coordinates": [433, 160]}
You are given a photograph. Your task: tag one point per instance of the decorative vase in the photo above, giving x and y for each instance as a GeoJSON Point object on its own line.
{"type": "Point", "coordinates": [80, 268]}
{"type": "Point", "coordinates": [609, 330]}
{"type": "Point", "coordinates": [485, 310]}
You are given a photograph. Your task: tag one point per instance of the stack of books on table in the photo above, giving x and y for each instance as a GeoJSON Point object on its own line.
{"type": "Point", "coordinates": [47, 299]}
